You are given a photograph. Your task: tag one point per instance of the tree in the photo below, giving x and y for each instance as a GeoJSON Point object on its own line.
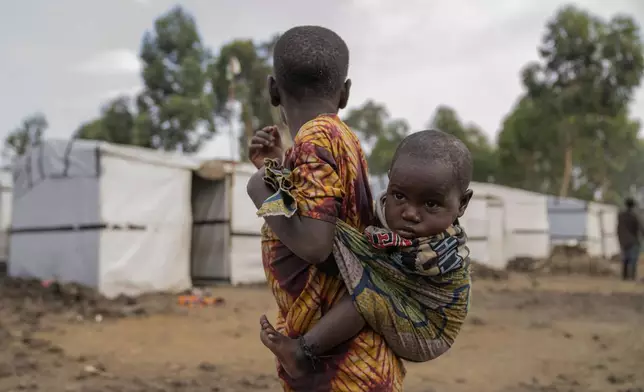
{"type": "Point", "coordinates": [608, 162]}
{"type": "Point", "coordinates": [372, 123]}
{"type": "Point", "coordinates": [28, 134]}
{"type": "Point", "coordinates": [187, 90]}
{"type": "Point", "coordinates": [176, 106]}
{"type": "Point", "coordinates": [606, 165]}
{"type": "Point", "coordinates": [119, 124]}
{"type": "Point", "coordinates": [526, 156]}
{"type": "Point", "coordinates": [586, 78]}
{"type": "Point", "coordinates": [248, 86]}
{"type": "Point", "coordinates": [383, 151]}
{"type": "Point", "coordinates": [369, 120]}
{"type": "Point", "coordinates": [483, 153]}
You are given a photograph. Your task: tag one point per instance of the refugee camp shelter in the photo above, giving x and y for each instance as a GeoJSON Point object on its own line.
{"type": "Point", "coordinates": [519, 217]}
{"type": "Point", "coordinates": [588, 224]}
{"type": "Point", "coordinates": [483, 223]}
{"type": "Point", "coordinates": [6, 184]}
{"type": "Point", "coordinates": [122, 219]}
{"type": "Point", "coordinates": [226, 234]}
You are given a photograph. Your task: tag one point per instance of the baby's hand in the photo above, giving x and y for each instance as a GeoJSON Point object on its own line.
{"type": "Point", "coordinates": [265, 143]}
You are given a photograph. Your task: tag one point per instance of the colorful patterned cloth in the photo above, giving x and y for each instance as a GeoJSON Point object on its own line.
{"type": "Point", "coordinates": [282, 201]}
{"type": "Point", "coordinates": [414, 292]}
{"type": "Point", "coordinates": [329, 182]}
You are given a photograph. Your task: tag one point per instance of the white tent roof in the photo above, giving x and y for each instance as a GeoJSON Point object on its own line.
{"type": "Point", "coordinates": [211, 169]}
{"type": "Point", "coordinates": [501, 191]}
{"type": "Point", "coordinates": [159, 158]}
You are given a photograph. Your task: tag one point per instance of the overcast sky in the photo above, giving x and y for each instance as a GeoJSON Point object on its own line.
{"type": "Point", "coordinates": [66, 57]}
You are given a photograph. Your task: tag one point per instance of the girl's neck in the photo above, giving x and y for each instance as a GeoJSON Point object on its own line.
{"type": "Point", "coordinates": [300, 114]}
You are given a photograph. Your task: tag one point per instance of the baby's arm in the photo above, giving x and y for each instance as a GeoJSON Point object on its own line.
{"type": "Point", "coordinates": [341, 323]}
{"type": "Point", "coordinates": [300, 356]}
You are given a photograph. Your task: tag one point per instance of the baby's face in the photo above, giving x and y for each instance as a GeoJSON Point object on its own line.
{"type": "Point", "coordinates": [422, 200]}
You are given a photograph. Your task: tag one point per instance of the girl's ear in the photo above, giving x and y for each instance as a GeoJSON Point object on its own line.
{"type": "Point", "coordinates": [344, 94]}
{"type": "Point", "coordinates": [273, 91]}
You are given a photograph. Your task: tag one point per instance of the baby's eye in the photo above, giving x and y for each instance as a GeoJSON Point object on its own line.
{"type": "Point", "coordinates": [398, 196]}
{"type": "Point", "coordinates": [431, 204]}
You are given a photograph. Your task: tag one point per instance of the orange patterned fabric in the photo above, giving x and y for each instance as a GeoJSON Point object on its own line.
{"type": "Point", "coordinates": [330, 181]}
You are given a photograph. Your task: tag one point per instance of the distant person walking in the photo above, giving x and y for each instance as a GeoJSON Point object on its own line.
{"type": "Point", "coordinates": [629, 227]}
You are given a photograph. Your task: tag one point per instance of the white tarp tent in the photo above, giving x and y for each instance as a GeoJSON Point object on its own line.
{"type": "Point", "coordinates": [524, 221]}
{"type": "Point", "coordinates": [112, 217]}
{"type": "Point", "coordinates": [483, 223]}
{"type": "Point", "coordinates": [6, 185]}
{"type": "Point", "coordinates": [226, 236]}
{"type": "Point", "coordinates": [591, 225]}
{"type": "Point", "coordinates": [246, 263]}
{"type": "Point", "coordinates": [129, 220]}
{"type": "Point", "coordinates": [602, 230]}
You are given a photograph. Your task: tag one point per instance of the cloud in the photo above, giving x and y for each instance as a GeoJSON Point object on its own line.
{"type": "Point", "coordinates": [143, 2]}
{"type": "Point", "coordinates": [111, 62]}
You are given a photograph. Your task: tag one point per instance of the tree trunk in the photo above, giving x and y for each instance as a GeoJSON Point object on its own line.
{"type": "Point", "coordinates": [567, 173]}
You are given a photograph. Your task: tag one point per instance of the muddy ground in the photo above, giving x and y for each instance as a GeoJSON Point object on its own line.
{"type": "Point", "coordinates": [525, 333]}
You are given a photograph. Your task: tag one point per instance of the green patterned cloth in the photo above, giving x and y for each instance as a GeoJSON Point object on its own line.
{"type": "Point", "coordinates": [415, 293]}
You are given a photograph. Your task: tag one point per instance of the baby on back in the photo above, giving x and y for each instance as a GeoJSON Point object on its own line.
{"type": "Point", "coordinates": [407, 276]}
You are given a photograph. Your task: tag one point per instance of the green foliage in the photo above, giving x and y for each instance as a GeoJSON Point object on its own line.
{"type": "Point", "coordinates": [119, 124]}
{"type": "Point", "coordinates": [187, 90]}
{"type": "Point", "coordinates": [483, 153]}
{"type": "Point", "coordinates": [383, 150]}
{"type": "Point", "coordinates": [29, 133]}
{"type": "Point", "coordinates": [369, 120]}
{"type": "Point", "coordinates": [176, 109]}
{"type": "Point", "coordinates": [176, 102]}
{"type": "Point", "coordinates": [569, 132]}
{"type": "Point", "coordinates": [527, 150]}
{"type": "Point", "coordinates": [373, 123]}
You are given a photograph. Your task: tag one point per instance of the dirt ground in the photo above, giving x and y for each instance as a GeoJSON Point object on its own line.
{"type": "Point", "coordinates": [566, 333]}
